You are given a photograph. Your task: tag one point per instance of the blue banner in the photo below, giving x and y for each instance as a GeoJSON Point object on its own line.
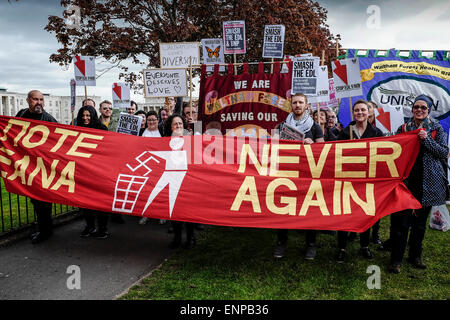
{"type": "Point", "coordinates": [396, 78]}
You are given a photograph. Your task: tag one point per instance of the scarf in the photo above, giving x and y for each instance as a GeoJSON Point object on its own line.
{"type": "Point", "coordinates": [303, 125]}
{"type": "Point", "coordinates": [411, 125]}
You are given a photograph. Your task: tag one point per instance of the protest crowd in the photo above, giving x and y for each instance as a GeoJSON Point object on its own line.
{"type": "Point", "coordinates": [426, 181]}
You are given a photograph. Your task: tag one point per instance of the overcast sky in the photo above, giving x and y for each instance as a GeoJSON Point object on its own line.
{"type": "Point", "coordinates": [25, 46]}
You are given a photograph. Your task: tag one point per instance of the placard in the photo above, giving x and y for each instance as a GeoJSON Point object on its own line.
{"type": "Point", "coordinates": [213, 53]}
{"type": "Point", "coordinates": [304, 75]}
{"type": "Point", "coordinates": [234, 37]}
{"type": "Point", "coordinates": [177, 54]}
{"type": "Point", "coordinates": [84, 68]}
{"type": "Point", "coordinates": [165, 83]}
{"type": "Point", "coordinates": [323, 86]}
{"type": "Point", "coordinates": [347, 78]}
{"type": "Point", "coordinates": [129, 124]}
{"type": "Point", "coordinates": [333, 101]}
{"type": "Point", "coordinates": [120, 95]}
{"type": "Point", "coordinates": [389, 118]}
{"type": "Point", "coordinates": [273, 41]}
{"type": "Point", "coordinates": [73, 95]}
{"type": "Point", "coordinates": [288, 58]}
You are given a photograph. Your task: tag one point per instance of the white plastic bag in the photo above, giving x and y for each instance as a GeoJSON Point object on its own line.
{"type": "Point", "coordinates": [440, 218]}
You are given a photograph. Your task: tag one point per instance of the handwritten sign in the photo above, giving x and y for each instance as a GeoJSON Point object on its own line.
{"type": "Point", "coordinates": [304, 75]}
{"type": "Point", "coordinates": [177, 54]}
{"type": "Point", "coordinates": [129, 124]}
{"type": "Point", "coordinates": [273, 41]}
{"type": "Point", "coordinates": [165, 83]}
{"type": "Point", "coordinates": [234, 37]}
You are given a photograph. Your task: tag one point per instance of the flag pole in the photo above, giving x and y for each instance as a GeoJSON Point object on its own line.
{"type": "Point", "coordinates": [190, 84]}
{"type": "Point", "coordinates": [351, 117]}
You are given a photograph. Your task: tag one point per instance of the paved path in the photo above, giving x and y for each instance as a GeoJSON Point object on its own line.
{"type": "Point", "coordinates": [108, 267]}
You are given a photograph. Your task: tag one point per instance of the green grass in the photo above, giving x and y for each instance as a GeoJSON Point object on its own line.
{"type": "Point", "coordinates": [236, 263]}
{"type": "Point", "coordinates": [17, 211]}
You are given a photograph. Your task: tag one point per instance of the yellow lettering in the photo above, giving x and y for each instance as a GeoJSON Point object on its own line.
{"type": "Point", "coordinates": [349, 192]}
{"type": "Point", "coordinates": [315, 189]}
{"type": "Point", "coordinates": [26, 140]}
{"type": "Point", "coordinates": [388, 158]}
{"type": "Point", "coordinates": [66, 178]}
{"type": "Point", "coordinates": [260, 167]}
{"type": "Point", "coordinates": [45, 180]}
{"type": "Point", "coordinates": [80, 144]}
{"type": "Point", "coordinates": [249, 186]}
{"type": "Point", "coordinates": [290, 202]}
{"type": "Point", "coordinates": [337, 197]}
{"type": "Point", "coordinates": [64, 134]}
{"type": "Point", "coordinates": [20, 172]}
{"type": "Point", "coordinates": [340, 160]}
{"type": "Point", "coordinates": [11, 122]}
{"type": "Point", "coordinates": [275, 159]}
{"type": "Point", "coordinates": [316, 169]}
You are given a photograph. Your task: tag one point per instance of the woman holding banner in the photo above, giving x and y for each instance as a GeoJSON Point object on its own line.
{"type": "Point", "coordinates": [427, 182]}
{"type": "Point", "coordinates": [361, 128]}
{"type": "Point", "coordinates": [87, 117]}
{"type": "Point", "coordinates": [176, 126]}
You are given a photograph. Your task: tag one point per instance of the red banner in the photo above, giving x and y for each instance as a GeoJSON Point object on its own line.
{"type": "Point", "coordinates": [250, 104]}
{"type": "Point", "coordinates": [230, 181]}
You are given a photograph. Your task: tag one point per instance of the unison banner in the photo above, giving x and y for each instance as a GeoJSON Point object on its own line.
{"type": "Point", "coordinates": [245, 104]}
{"type": "Point", "coordinates": [395, 78]}
{"type": "Point", "coordinates": [230, 181]}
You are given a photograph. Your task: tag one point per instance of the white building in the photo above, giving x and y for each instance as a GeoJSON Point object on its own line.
{"type": "Point", "coordinates": [57, 106]}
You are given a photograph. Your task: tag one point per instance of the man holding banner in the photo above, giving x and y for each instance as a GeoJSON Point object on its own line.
{"type": "Point", "coordinates": [300, 120]}
{"type": "Point", "coordinates": [43, 209]}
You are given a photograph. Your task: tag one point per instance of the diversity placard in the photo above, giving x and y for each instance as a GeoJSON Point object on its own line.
{"type": "Point", "coordinates": [120, 95]}
{"type": "Point", "coordinates": [129, 124]}
{"type": "Point", "coordinates": [304, 75]}
{"type": "Point", "coordinates": [179, 54]}
{"type": "Point", "coordinates": [339, 185]}
{"type": "Point", "coordinates": [234, 37]}
{"type": "Point", "coordinates": [84, 68]}
{"type": "Point", "coordinates": [213, 53]}
{"type": "Point", "coordinates": [165, 83]}
{"type": "Point", "coordinates": [273, 41]}
{"type": "Point", "coordinates": [347, 78]}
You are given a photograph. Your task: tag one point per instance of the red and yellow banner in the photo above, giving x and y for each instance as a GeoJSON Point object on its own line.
{"type": "Point", "coordinates": [230, 181]}
{"type": "Point", "coordinates": [246, 104]}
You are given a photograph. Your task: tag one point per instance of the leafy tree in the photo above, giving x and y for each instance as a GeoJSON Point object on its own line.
{"type": "Point", "coordinates": [120, 30]}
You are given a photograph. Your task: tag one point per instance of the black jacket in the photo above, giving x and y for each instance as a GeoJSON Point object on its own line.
{"type": "Point", "coordinates": [44, 116]}
{"type": "Point", "coordinates": [371, 132]}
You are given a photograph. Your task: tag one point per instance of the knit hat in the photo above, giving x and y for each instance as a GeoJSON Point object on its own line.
{"type": "Point", "coordinates": [425, 98]}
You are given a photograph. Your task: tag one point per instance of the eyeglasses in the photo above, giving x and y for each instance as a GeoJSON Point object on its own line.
{"type": "Point", "coordinates": [420, 107]}
{"type": "Point", "coordinates": [106, 108]}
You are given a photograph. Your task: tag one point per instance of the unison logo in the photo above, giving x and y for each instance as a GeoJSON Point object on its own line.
{"type": "Point", "coordinates": [403, 91]}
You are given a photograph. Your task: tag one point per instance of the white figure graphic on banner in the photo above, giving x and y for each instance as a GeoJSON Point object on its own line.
{"type": "Point", "coordinates": [175, 170]}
